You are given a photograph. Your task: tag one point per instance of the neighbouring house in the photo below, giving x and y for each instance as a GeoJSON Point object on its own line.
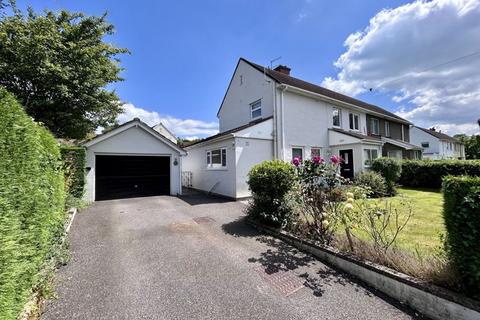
{"type": "Point", "coordinates": [268, 114]}
{"type": "Point", "coordinates": [437, 145]}
{"type": "Point", "coordinates": [133, 160]}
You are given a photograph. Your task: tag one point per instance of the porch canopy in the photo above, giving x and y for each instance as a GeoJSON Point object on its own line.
{"type": "Point", "coordinates": [401, 144]}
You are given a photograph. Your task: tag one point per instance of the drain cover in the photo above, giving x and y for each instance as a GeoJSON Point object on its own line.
{"type": "Point", "coordinates": [205, 219]}
{"type": "Point", "coordinates": [285, 282]}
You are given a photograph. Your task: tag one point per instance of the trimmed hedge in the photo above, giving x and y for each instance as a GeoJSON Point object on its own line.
{"type": "Point", "coordinates": [270, 182]}
{"type": "Point", "coordinates": [31, 203]}
{"type": "Point", "coordinates": [429, 173]}
{"type": "Point", "coordinates": [74, 168]}
{"type": "Point", "coordinates": [462, 220]}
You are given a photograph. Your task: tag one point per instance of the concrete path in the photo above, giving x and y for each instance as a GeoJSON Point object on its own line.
{"type": "Point", "coordinates": [194, 258]}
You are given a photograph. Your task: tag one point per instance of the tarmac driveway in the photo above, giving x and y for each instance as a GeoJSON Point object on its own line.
{"type": "Point", "coordinates": [194, 258]}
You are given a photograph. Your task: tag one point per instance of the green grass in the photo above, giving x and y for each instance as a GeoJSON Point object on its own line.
{"type": "Point", "coordinates": [422, 233]}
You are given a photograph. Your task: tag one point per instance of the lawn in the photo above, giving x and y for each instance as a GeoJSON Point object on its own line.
{"type": "Point", "coordinates": [422, 232]}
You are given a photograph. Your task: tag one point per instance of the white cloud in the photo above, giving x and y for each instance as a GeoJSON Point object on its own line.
{"type": "Point", "coordinates": [393, 52]}
{"type": "Point", "coordinates": [179, 127]}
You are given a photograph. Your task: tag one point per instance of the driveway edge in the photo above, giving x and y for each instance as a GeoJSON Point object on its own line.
{"type": "Point", "coordinates": [433, 301]}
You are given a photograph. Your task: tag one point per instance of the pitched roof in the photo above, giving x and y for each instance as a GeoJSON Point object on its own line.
{"type": "Point", "coordinates": [218, 135]}
{"type": "Point", "coordinates": [439, 135]}
{"type": "Point", "coordinates": [298, 83]}
{"type": "Point", "coordinates": [355, 134]}
{"type": "Point", "coordinates": [111, 132]}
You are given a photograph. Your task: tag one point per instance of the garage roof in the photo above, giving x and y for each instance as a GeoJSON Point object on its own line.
{"type": "Point", "coordinates": [127, 125]}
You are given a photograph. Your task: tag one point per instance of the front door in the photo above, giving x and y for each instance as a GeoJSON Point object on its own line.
{"type": "Point", "coordinates": [346, 166]}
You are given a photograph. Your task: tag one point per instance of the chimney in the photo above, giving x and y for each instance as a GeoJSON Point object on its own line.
{"type": "Point", "coordinates": [283, 69]}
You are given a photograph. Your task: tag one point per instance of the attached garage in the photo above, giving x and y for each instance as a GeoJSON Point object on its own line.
{"type": "Point", "coordinates": [132, 160]}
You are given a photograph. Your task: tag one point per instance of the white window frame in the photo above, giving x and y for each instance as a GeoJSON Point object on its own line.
{"type": "Point", "coordinates": [373, 120]}
{"type": "Point", "coordinates": [339, 117]}
{"type": "Point", "coordinates": [301, 148]}
{"type": "Point", "coordinates": [223, 160]}
{"type": "Point", "coordinates": [315, 148]}
{"type": "Point", "coordinates": [387, 129]}
{"type": "Point", "coordinates": [255, 106]}
{"type": "Point", "coordinates": [367, 153]}
{"type": "Point", "coordinates": [351, 125]}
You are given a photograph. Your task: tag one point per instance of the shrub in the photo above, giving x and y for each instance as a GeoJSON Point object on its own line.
{"type": "Point", "coordinates": [321, 197]}
{"type": "Point", "coordinates": [390, 169]}
{"type": "Point", "coordinates": [270, 182]}
{"type": "Point", "coordinates": [372, 181]}
{"type": "Point", "coordinates": [31, 203]}
{"type": "Point", "coordinates": [461, 213]}
{"type": "Point", "coordinates": [429, 174]}
{"type": "Point", "coordinates": [74, 168]}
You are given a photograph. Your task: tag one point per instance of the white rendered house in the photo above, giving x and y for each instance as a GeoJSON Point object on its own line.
{"type": "Point", "coordinates": [267, 114]}
{"type": "Point", "coordinates": [437, 145]}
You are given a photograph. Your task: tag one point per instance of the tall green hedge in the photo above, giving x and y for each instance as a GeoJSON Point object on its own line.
{"type": "Point", "coordinates": [429, 173]}
{"type": "Point", "coordinates": [462, 221]}
{"type": "Point", "coordinates": [74, 168]}
{"type": "Point", "coordinates": [31, 202]}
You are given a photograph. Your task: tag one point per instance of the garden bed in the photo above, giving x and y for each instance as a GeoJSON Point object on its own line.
{"type": "Point", "coordinates": [431, 300]}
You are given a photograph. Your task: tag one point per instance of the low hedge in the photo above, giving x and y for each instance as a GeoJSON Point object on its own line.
{"type": "Point", "coordinates": [429, 173]}
{"type": "Point", "coordinates": [462, 221]}
{"type": "Point", "coordinates": [270, 182]}
{"type": "Point", "coordinates": [31, 203]}
{"type": "Point", "coordinates": [74, 168]}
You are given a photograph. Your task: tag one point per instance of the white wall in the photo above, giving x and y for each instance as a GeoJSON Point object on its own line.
{"type": "Point", "coordinates": [132, 141]}
{"type": "Point", "coordinates": [417, 136]}
{"type": "Point", "coordinates": [249, 152]}
{"type": "Point", "coordinates": [248, 85]}
{"type": "Point", "coordinates": [204, 178]}
{"type": "Point", "coordinates": [306, 123]}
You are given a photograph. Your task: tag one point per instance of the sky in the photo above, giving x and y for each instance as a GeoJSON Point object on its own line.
{"type": "Point", "coordinates": [418, 59]}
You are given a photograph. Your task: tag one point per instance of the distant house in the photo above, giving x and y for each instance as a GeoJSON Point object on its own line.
{"type": "Point", "coordinates": [160, 128]}
{"type": "Point", "coordinates": [437, 145]}
{"type": "Point", "coordinates": [268, 114]}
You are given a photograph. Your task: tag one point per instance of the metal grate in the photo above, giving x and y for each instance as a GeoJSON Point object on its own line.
{"type": "Point", "coordinates": [285, 282]}
{"type": "Point", "coordinates": [205, 219]}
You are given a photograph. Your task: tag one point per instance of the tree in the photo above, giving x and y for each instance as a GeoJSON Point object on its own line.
{"type": "Point", "coordinates": [472, 145]}
{"type": "Point", "coordinates": [58, 66]}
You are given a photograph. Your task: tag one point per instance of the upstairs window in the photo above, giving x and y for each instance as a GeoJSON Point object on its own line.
{"type": "Point", "coordinates": [336, 117]}
{"type": "Point", "coordinates": [425, 144]}
{"type": "Point", "coordinates": [256, 109]}
{"type": "Point", "coordinates": [354, 121]}
{"type": "Point", "coordinates": [375, 126]}
{"type": "Point", "coordinates": [387, 129]}
{"type": "Point", "coordinates": [217, 158]}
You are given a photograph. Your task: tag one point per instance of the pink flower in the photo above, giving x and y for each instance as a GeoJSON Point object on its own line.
{"type": "Point", "coordinates": [296, 161]}
{"type": "Point", "coordinates": [335, 159]}
{"type": "Point", "coordinates": [317, 159]}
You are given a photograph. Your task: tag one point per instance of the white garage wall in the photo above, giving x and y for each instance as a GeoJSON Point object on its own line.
{"type": "Point", "coordinates": [132, 141]}
{"type": "Point", "coordinates": [220, 181]}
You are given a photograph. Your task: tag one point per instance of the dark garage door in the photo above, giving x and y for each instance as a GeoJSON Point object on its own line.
{"type": "Point", "coordinates": [131, 176]}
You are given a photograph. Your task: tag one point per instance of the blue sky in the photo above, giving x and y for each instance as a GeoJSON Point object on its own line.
{"type": "Point", "coordinates": [183, 53]}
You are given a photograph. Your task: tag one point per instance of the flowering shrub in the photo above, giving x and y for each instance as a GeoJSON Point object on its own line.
{"type": "Point", "coordinates": [321, 194]}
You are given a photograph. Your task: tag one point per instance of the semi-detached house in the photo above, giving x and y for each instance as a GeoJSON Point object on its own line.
{"type": "Point", "coordinates": [268, 114]}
